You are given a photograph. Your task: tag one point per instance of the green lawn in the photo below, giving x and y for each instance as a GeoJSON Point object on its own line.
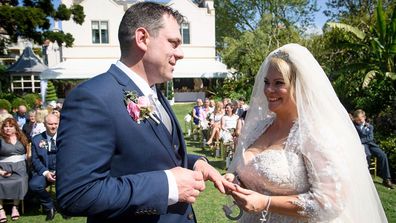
{"type": "Point", "coordinates": [208, 206]}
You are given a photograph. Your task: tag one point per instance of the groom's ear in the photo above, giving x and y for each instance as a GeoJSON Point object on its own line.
{"type": "Point", "coordinates": [142, 38]}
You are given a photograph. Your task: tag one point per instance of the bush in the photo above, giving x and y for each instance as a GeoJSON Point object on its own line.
{"type": "Point", "coordinates": [8, 96]}
{"type": "Point", "coordinates": [5, 104]}
{"type": "Point", "coordinates": [31, 100]}
{"type": "Point", "coordinates": [388, 144]}
{"type": "Point", "coordinates": [18, 101]}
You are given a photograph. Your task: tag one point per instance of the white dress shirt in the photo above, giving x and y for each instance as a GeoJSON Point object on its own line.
{"type": "Point", "coordinates": [173, 195]}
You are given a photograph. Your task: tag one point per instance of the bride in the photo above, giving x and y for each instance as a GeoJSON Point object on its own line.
{"type": "Point", "coordinates": [299, 158]}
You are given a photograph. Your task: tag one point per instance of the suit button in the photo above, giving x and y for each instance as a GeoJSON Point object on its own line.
{"type": "Point", "coordinates": [190, 216]}
{"type": "Point", "coordinates": [174, 147]}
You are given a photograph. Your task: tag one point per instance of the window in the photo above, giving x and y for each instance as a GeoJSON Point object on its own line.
{"type": "Point", "coordinates": [185, 32]}
{"type": "Point", "coordinates": [100, 32]}
{"type": "Point", "coordinates": [25, 83]}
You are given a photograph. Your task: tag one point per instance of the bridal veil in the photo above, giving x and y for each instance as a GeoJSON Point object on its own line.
{"type": "Point", "coordinates": [329, 142]}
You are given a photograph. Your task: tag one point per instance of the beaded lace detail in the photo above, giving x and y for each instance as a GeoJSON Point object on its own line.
{"type": "Point", "coordinates": [282, 171]}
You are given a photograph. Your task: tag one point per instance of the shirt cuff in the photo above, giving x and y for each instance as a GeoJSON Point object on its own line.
{"type": "Point", "coordinates": [45, 172]}
{"type": "Point", "coordinates": [173, 195]}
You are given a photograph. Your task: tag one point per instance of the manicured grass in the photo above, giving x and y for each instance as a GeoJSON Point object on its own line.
{"type": "Point", "coordinates": [209, 204]}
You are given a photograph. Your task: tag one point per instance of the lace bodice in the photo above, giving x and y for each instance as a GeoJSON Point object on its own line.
{"type": "Point", "coordinates": [280, 171]}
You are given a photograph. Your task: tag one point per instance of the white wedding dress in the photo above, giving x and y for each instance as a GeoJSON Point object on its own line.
{"type": "Point", "coordinates": [279, 171]}
{"type": "Point", "coordinates": [322, 162]}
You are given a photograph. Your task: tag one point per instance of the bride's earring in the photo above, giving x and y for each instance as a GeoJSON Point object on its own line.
{"type": "Point", "coordinates": [231, 209]}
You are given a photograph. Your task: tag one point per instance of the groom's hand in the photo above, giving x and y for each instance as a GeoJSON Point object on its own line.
{"type": "Point", "coordinates": [210, 173]}
{"type": "Point", "coordinates": [189, 184]}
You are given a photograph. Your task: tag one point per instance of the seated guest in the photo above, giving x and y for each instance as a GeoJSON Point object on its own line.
{"type": "Point", "coordinates": [44, 164]}
{"type": "Point", "coordinates": [228, 124]}
{"type": "Point", "coordinates": [28, 126]}
{"type": "Point", "coordinates": [366, 134]}
{"type": "Point", "coordinates": [215, 122]}
{"type": "Point", "coordinates": [20, 116]}
{"type": "Point", "coordinates": [196, 111]}
{"type": "Point", "coordinates": [13, 172]}
{"type": "Point", "coordinates": [39, 127]}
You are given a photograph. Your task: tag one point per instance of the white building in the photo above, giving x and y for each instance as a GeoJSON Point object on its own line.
{"type": "Point", "coordinates": [96, 43]}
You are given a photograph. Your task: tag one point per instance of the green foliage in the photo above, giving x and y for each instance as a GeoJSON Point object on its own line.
{"type": "Point", "coordinates": [17, 102]}
{"type": "Point", "coordinates": [238, 16]}
{"type": "Point", "coordinates": [31, 99]}
{"type": "Point", "coordinates": [32, 20]}
{"type": "Point", "coordinates": [246, 53]}
{"type": "Point", "coordinates": [5, 104]}
{"type": "Point", "coordinates": [51, 93]}
{"type": "Point", "coordinates": [170, 91]}
{"type": "Point", "coordinates": [363, 65]}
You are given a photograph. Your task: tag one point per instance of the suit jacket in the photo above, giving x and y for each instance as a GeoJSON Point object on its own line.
{"type": "Point", "coordinates": [366, 134]}
{"type": "Point", "coordinates": [39, 154]}
{"type": "Point", "coordinates": [109, 167]}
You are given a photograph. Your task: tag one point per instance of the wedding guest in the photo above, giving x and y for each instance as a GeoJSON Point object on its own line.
{"type": "Point", "coordinates": [215, 122]}
{"type": "Point", "coordinates": [27, 127]}
{"type": "Point", "coordinates": [3, 111]}
{"type": "Point", "coordinates": [20, 116]}
{"type": "Point", "coordinates": [13, 172]}
{"type": "Point", "coordinates": [299, 158]}
{"type": "Point", "coordinates": [196, 111]}
{"type": "Point", "coordinates": [4, 116]}
{"type": "Point", "coordinates": [39, 126]}
{"type": "Point", "coordinates": [44, 151]}
{"type": "Point", "coordinates": [212, 104]}
{"type": "Point", "coordinates": [366, 134]}
{"type": "Point", "coordinates": [228, 124]}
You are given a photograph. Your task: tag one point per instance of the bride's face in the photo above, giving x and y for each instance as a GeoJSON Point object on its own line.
{"type": "Point", "coordinates": [278, 92]}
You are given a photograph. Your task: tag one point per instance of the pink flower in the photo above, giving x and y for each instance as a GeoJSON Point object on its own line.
{"type": "Point", "coordinates": [133, 110]}
{"type": "Point", "coordinates": [143, 102]}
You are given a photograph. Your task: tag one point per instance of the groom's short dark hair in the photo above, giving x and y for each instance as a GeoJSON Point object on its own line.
{"type": "Point", "coordinates": [148, 15]}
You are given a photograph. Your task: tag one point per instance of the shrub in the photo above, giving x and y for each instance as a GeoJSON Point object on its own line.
{"type": "Point", "coordinates": [18, 101]}
{"type": "Point", "coordinates": [31, 99]}
{"type": "Point", "coordinates": [51, 93]}
{"type": "Point", "coordinates": [5, 104]}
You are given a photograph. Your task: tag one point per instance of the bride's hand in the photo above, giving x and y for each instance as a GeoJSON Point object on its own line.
{"type": "Point", "coordinates": [229, 177]}
{"type": "Point", "coordinates": [249, 200]}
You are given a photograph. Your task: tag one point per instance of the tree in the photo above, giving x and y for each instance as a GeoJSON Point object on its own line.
{"type": "Point", "coordinates": [233, 17]}
{"type": "Point", "coordinates": [32, 21]}
{"type": "Point", "coordinates": [249, 30]}
{"type": "Point", "coordinates": [51, 93]}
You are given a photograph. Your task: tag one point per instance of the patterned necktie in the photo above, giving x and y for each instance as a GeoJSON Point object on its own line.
{"type": "Point", "coordinates": [163, 115]}
{"type": "Point", "coordinates": [53, 145]}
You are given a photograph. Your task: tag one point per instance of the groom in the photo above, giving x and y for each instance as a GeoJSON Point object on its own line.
{"type": "Point", "coordinates": [115, 164]}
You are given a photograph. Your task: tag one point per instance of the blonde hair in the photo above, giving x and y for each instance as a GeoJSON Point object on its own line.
{"type": "Point", "coordinates": [40, 115]}
{"type": "Point", "coordinates": [287, 70]}
{"type": "Point", "coordinates": [4, 117]}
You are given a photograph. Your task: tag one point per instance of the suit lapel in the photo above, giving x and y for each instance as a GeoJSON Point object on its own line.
{"type": "Point", "coordinates": [159, 129]}
{"type": "Point", "coordinates": [44, 152]}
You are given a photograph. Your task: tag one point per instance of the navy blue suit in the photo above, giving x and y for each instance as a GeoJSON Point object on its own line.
{"type": "Point", "coordinates": [366, 135]}
{"type": "Point", "coordinates": [109, 167]}
{"type": "Point", "coordinates": [42, 160]}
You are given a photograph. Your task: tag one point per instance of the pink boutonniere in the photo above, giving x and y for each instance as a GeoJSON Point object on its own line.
{"type": "Point", "coordinates": [139, 108]}
{"type": "Point", "coordinates": [43, 144]}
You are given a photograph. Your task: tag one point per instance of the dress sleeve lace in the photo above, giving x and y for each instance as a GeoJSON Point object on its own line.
{"type": "Point", "coordinates": [324, 200]}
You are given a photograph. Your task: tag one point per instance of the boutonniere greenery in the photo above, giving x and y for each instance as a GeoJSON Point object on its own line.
{"type": "Point", "coordinates": [139, 108]}
{"type": "Point", "coordinates": [43, 144]}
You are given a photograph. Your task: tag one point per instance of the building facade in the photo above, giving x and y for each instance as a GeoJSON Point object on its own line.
{"type": "Point", "coordinates": [96, 44]}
